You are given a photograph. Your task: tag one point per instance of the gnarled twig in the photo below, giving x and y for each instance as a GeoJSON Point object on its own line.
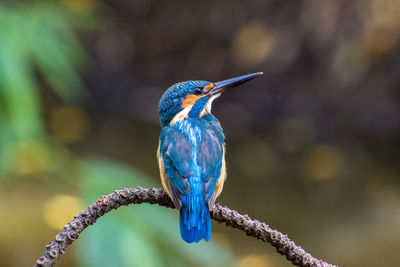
{"type": "Point", "coordinates": [139, 195]}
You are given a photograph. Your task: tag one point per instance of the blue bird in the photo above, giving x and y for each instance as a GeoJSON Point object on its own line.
{"type": "Point", "coordinates": [191, 152]}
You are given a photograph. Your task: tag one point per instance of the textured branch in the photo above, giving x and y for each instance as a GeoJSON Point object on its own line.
{"type": "Point", "coordinates": [254, 228]}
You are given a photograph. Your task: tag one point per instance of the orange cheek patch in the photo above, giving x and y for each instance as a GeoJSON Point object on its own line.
{"type": "Point", "coordinates": [209, 86]}
{"type": "Point", "coordinates": [190, 100]}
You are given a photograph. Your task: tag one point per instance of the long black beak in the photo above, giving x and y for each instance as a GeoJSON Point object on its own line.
{"type": "Point", "coordinates": [225, 85]}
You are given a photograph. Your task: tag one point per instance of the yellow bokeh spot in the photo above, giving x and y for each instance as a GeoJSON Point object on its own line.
{"type": "Point", "coordinates": [30, 157]}
{"type": "Point", "coordinates": [323, 162]}
{"type": "Point", "coordinates": [381, 28]}
{"type": "Point", "coordinates": [68, 124]}
{"type": "Point", "coordinates": [255, 260]}
{"type": "Point", "coordinates": [60, 209]}
{"type": "Point", "coordinates": [252, 44]}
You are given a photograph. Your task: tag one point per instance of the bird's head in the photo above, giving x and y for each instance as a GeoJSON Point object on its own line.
{"type": "Point", "coordinates": [194, 98]}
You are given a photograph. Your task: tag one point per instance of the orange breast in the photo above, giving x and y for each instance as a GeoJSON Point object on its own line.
{"type": "Point", "coordinates": [222, 178]}
{"type": "Point", "coordinates": [163, 173]}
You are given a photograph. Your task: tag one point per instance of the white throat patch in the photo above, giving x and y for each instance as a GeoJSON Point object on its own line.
{"type": "Point", "coordinates": [181, 115]}
{"type": "Point", "coordinates": [207, 107]}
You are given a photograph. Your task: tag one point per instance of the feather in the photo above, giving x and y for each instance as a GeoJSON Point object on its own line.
{"type": "Point", "coordinates": [190, 156]}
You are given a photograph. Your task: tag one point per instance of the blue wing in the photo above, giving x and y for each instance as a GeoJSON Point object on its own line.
{"type": "Point", "coordinates": [210, 156]}
{"type": "Point", "coordinates": [176, 152]}
{"type": "Point", "coordinates": [191, 161]}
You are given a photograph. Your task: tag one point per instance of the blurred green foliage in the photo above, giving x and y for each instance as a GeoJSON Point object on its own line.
{"type": "Point", "coordinates": [38, 46]}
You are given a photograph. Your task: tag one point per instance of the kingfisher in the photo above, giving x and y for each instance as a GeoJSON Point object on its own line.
{"type": "Point", "coordinates": [191, 152]}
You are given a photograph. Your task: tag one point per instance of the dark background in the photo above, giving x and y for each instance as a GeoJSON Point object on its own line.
{"type": "Point", "coordinates": [312, 145]}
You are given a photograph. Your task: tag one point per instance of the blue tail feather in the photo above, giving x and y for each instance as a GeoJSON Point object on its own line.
{"type": "Point", "coordinates": [195, 220]}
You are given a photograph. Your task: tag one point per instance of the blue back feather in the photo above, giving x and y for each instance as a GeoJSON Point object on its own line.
{"type": "Point", "coordinates": [192, 152]}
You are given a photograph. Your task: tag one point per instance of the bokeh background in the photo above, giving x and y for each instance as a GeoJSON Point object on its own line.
{"type": "Point", "coordinates": [312, 145]}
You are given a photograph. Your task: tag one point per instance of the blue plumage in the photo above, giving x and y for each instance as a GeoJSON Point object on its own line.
{"type": "Point", "coordinates": [191, 152]}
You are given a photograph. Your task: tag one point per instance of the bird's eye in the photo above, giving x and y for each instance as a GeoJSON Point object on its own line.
{"type": "Point", "coordinates": [198, 91]}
